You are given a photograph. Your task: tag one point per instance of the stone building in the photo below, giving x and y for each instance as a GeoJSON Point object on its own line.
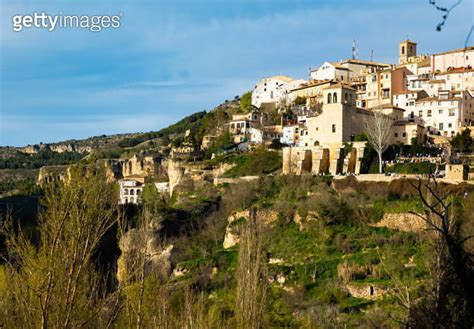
{"type": "Point", "coordinates": [130, 191]}
{"type": "Point", "coordinates": [321, 145]}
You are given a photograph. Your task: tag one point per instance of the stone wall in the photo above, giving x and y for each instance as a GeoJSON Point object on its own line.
{"type": "Point", "coordinates": [325, 159]}
{"type": "Point", "coordinates": [457, 172]}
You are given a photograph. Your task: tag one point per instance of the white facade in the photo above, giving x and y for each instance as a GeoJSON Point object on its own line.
{"type": "Point", "coordinates": [272, 90]}
{"type": "Point", "coordinates": [458, 58]}
{"type": "Point", "coordinates": [330, 71]}
{"type": "Point", "coordinates": [130, 191]}
{"type": "Point", "coordinates": [447, 113]}
{"type": "Point", "coordinates": [291, 134]}
{"type": "Point", "coordinates": [407, 101]}
{"type": "Point", "coordinates": [457, 80]}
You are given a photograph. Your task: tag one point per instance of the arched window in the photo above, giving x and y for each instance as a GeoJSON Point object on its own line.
{"type": "Point", "coordinates": [403, 50]}
{"type": "Point", "coordinates": [345, 98]}
{"type": "Point", "coordinates": [132, 192]}
{"type": "Point", "coordinates": [329, 98]}
{"type": "Point", "coordinates": [334, 97]}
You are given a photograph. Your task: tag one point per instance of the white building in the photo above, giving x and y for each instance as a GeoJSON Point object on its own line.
{"type": "Point", "coordinates": [457, 79]}
{"type": "Point", "coordinates": [130, 191]}
{"type": "Point", "coordinates": [241, 125]}
{"type": "Point", "coordinates": [458, 58]}
{"type": "Point", "coordinates": [331, 71]}
{"type": "Point", "coordinates": [291, 134]}
{"type": "Point", "coordinates": [446, 113]}
{"type": "Point", "coordinates": [265, 134]}
{"type": "Point", "coordinates": [406, 100]}
{"type": "Point", "coordinates": [273, 90]}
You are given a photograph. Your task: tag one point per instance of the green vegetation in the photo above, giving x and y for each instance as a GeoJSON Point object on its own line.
{"type": "Point", "coordinates": [20, 187]}
{"type": "Point", "coordinates": [246, 102]}
{"type": "Point", "coordinates": [412, 168]}
{"type": "Point", "coordinates": [42, 158]}
{"type": "Point", "coordinates": [300, 100]}
{"type": "Point", "coordinates": [319, 242]}
{"type": "Point", "coordinates": [257, 162]}
{"type": "Point", "coordinates": [463, 142]}
{"type": "Point", "coordinates": [191, 122]}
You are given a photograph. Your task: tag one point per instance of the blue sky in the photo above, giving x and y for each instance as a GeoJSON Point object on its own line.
{"type": "Point", "coordinates": [172, 58]}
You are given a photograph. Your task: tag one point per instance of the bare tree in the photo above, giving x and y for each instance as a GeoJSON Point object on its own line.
{"type": "Point", "coordinates": [251, 282]}
{"type": "Point", "coordinates": [378, 127]}
{"type": "Point", "coordinates": [454, 265]}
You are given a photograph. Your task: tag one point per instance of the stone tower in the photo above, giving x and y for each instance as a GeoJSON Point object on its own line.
{"type": "Point", "coordinates": [407, 49]}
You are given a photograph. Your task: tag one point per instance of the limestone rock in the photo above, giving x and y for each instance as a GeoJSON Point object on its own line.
{"type": "Point", "coordinates": [232, 234]}
{"type": "Point", "coordinates": [403, 222]}
{"type": "Point", "coordinates": [138, 245]}
{"type": "Point", "coordinates": [367, 291]}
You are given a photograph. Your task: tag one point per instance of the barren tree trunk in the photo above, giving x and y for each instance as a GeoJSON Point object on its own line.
{"type": "Point", "coordinates": [380, 162]}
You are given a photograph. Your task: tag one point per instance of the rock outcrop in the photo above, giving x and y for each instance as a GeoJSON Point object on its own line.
{"type": "Point", "coordinates": [232, 234]}
{"type": "Point", "coordinates": [48, 174]}
{"type": "Point", "coordinates": [367, 291]}
{"type": "Point", "coordinates": [143, 247]}
{"type": "Point", "coordinates": [403, 222]}
{"type": "Point", "coordinates": [175, 174]}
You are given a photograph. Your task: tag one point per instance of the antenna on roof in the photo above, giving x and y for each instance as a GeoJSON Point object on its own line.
{"type": "Point", "coordinates": [354, 49]}
{"type": "Point", "coordinates": [371, 55]}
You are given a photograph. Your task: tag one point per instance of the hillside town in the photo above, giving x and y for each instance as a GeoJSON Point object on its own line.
{"type": "Point", "coordinates": [344, 199]}
{"type": "Point", "coordinates": [429, 99]}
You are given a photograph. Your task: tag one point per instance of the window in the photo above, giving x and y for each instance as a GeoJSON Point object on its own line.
{"type": "Point", "coordinates": [403, 50]}
{"type": "Point", "coordinates": [441, 126]}
{"type": "Point", "coordinates": [450, 125]}
{"type": "Point", "coordinates": [452, 113]}
{"type": "Point", "coordinates": [396, 134]}
{"type": "Point", "coordinates": [420, 113]}
{"type": "Point", "coordinates": [333, 128]}
{"type": "Point", "coordinates": [329, 98]}
{"type": "Point", "coordinates": [429, 113]}
{"type": "Point", "coordinates": [345, 98]}
{"type": "Point", "coordinates": [440, 111]}
{"type": "Point", "coordinates": [125, 192]}
{"type": "Point", "coordinates": [404, 134]}
{"type": "Point", "coordinates": [232, 126]}
{"type": "Point", "coordinates": [132, 192]}
{"type": "Point", "coordinates": [334, 98]}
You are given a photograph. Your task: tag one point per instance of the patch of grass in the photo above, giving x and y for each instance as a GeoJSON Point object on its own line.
{"type": "Point", "coordinates": [412, 168]}
{"type": "Point", "coordinates": [257, 162]}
